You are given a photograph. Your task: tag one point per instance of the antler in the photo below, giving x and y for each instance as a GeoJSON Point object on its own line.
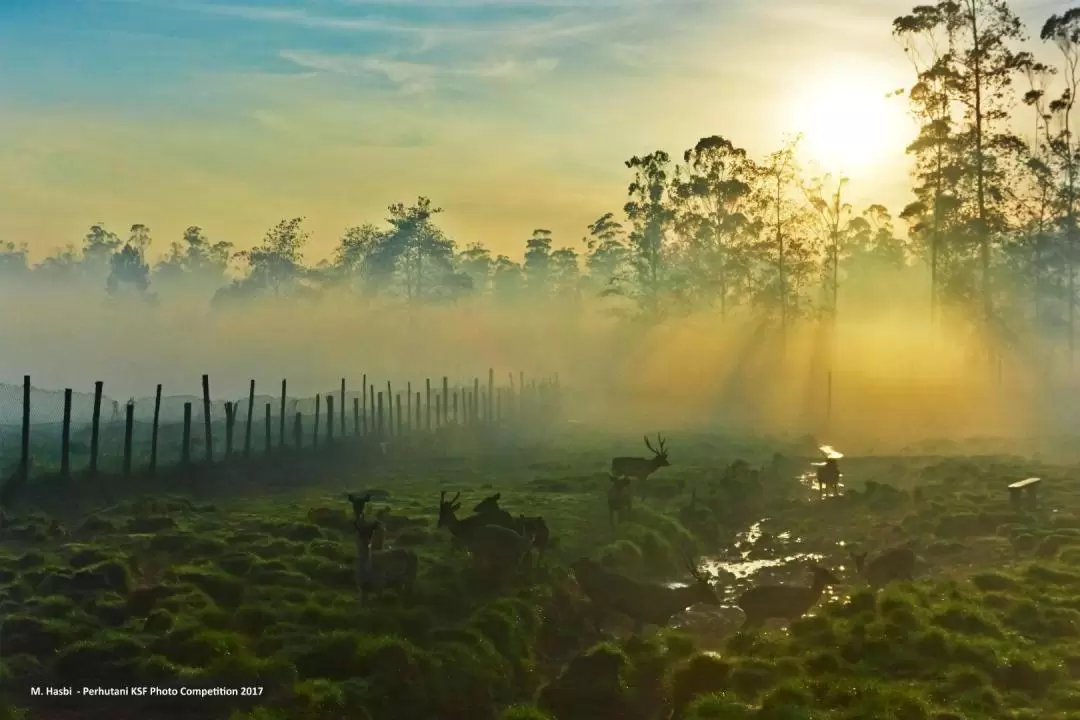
{"type": "Point", "coordinates": [662, 442]}
{"type": "Point", "coordinates": [648, 444]}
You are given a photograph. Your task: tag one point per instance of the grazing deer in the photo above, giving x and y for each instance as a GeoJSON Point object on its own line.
{"type": "Point", "coordinates": [619, 500]}
{"type": "Point", "coordinates": [785, 602]}
{"type": "Point", "coordinates": [377, 569]}
{"type": "Point", "coordinates": [500, 549]}
{"type": "Point", "coordinates": [640, 468]}
{"type": "Point", "coordinates": [643, 603]}
{"type": "Point", "coordinates": [462, 529]}
{"type": "Point", "coordinates": [828, 477]}
{"type": "Point", "coordinates": [893, 564]}
{"type": "Point", "coordinates": [536, 525]}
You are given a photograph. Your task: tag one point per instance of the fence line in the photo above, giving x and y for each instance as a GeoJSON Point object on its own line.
{"type": "Point", "coordinates": [377, 415]}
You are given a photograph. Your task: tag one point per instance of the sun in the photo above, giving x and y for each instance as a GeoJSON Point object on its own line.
{"type": "Point", "coordinates": [849, 124]}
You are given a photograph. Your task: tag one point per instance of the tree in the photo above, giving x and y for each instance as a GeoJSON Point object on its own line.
{"type": "Point", "coordinates": [414, 255]}
{"type": "Point", "coordinates": [783, 249]}
{"type": "Point", "coordinates": [607, 257]}
{"type": "Point", "coordinates": [196, 258]}
{"type": "Point", "coordinates": [350, 265]}
{"type": "Point", "coordinates": [476, 262]}
{"type": "Point", "coordinates": [1064, 31]}
{"type": "Point", "coordinates": [13, 261]}
{"type": "Point", "coordinates": [276, 263]}
{"type": "Point", "coordinates": [506, 279]}
{"type": "Point", "coordinates": [537, 266]}
{"type": "Point", "coordinates": [715, 191]}
{"type": "Point", "coordinates": [99, 245]}
{"type": "Point", "coordinates": [565, 277]}
{"type": "Point", "coordinates": [650, 214]}
{"type": "Point", "coordinates": [833, 216]}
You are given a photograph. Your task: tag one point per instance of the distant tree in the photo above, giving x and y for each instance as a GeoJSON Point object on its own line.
{"type": "Point", "coordinates": [650, 214]}
{"type": "Point", "coordinates": [784, 249]}
{"type": "Point", "coordinates": [64, 265]}
{"type": "Point", "coordinates": [195, 258]}
{"type": "Point", "coordinates": [714, 191]}
{"type": "Point", "coordinates": [565, 275]}
{"type": "Point", "coordinates": [507, 281]}
{"type": "Point", "coordinates": [350, 265]}
{"type": "Point", "coordinates": [1064, 147]}
{"type": "Point", "coordinates": [833, 215]}
{"type": "Point", "coordinates": [276, 263]}
{"type": "Point", "coordinates": [13, 261]}
{"type": "Point", "coordinates": [415, 256]}
{"type": "Point", "coordinates": [99, 245]}
{"type": "Point", "coordinates": [476, 262]}
{"type": "Point", "coordinates": [607, 256]}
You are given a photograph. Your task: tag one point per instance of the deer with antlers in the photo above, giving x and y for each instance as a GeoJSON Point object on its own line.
{"type": "Point", "coordinates": [644, 603]}
{"type": "Point", "coordinates": [640, 468]}
{"type": "Point", "coordinates": [463, 529]}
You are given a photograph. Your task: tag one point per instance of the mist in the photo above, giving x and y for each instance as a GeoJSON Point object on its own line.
{"type": "Point", "coordinates": [883, 379]}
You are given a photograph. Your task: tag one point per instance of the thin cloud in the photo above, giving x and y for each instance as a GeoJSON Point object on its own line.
{"type": "Point", "coordinates": [416, 76]}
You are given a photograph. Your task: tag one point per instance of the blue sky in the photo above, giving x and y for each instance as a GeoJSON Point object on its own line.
{"type": "Point", "coordinates": [511, 114]}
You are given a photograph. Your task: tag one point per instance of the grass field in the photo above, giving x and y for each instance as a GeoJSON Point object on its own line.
{"type": "Point", "coordinates": [256, 590]}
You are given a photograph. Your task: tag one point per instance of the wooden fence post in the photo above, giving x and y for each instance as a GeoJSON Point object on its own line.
{"type": "Point", "coordinates": [207, 419]}
{"type": "Point", "coordinates": [95, 428]}
{"type": "Point", "coordinates": [230, 413]}
{"type": "Point", "coordinates": [438, 412]}
{"type": "Point", "coordinates": [356, 415]}
{"type": "Point", "coordinates": [490, 396]}
{"type": "Point", "coordinates": [185, 445]}
{"type": "Point", "coordinates": [427, 404]}
{"type": "Point", "coordinates": [417, 416]}
{"type": "Point", "coordinates": [250, 413]}
{"type": "Point", "coordinates": [455, 416]}
{"type": "Point", "coordinates": [474, 409]}
{"type": "Point", "coordinates": [154, 430]}
{"type": "Point", "coordinates": [446, 399]}
{"type": "Point", "coordinates": [371, 410]}
{"type": "Point", "coordinates": [24, 462]}
{"type": "Point", "coordinates": [281, 420]}
{"type": "Point", "coordinates": [380, 412]}
{"type": "Point", "coordinates": [267, 429]}
{"type": "Point", "coordinates": [389, 409]}
{"type": "Point", "coordinates": [65, 437]}
{"type": "Point", "coordinates": [330, 418]}
{"type": "Point", "coordinates": [342, 408]}
{"type": "Point", "coordinates": [408, 407]}
{"type": "Point", "coordinates": [315, 431]}
{"type": "Point", "coordinates": [397, 413]}
{"type": "Point", "coordinates": [364, 405]}
{"type": "Point", "coordinates": [129, 427]}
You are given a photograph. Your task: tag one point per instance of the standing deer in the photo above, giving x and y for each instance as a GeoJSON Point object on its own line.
{"type": "Point", "coordinates": [535, 526]}
{"type": "Point", "coordinates": [463, 529]}
{"type": "Point", "coordinates": [894, 564]}
{"type": "Point", "coordinates": [828, 477]}
{"type": "Point", "coordinates": [785, 602]}
{"type": "Point", "coordinates": [618, 500]}
{"type": "Point", "coordinates": [376, 568]}
{"type": "Point", "coordinates": [638, 467]}
{"type": "Point", "coordinates": [644, 603]}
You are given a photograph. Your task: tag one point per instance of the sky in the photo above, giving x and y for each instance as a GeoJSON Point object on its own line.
{"type": "Point", "coordinates": [510, 114]}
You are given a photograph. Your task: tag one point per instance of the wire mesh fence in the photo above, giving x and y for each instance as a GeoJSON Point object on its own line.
{"type": "Point", "coordinates": [45, 431]}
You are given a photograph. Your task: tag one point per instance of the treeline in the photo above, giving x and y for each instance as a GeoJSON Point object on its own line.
{"type": "Point", "coordinates": [993, 220]}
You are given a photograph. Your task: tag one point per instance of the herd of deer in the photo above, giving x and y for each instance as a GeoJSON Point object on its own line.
{"type": "Point", "coordinates": [500, 542]}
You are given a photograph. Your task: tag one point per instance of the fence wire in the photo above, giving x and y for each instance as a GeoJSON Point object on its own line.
{"type": "Point", "coordinates": [354, 412]}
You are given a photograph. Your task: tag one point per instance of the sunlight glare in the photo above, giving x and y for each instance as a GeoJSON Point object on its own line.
{"type": "Point", "coordinates": [848, 123]}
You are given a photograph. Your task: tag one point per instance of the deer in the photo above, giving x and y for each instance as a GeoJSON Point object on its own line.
{"type": "Point", "coordinates": [500, 549]}
{"type": "Point", "coordinates": [377, 569]}
{"type": "Point", "coordinates": [619, 500]}
{"type": "Point", "coordinates": [893, 564]}
{"type": "Point", "coordinates": [462, 529]}
{"type": "Point", "coordinates": [828, 477]}
{"type": "Point", "coordinates": [358, 502]}
{"type": "Point", "coordinates": [536, 525]}
{"type": "Point", "coordinates": [784, 602]}
{"type": "Point", "coordinates": [641, 468]}
{"type": "Point", "coordinates": [643, 603]}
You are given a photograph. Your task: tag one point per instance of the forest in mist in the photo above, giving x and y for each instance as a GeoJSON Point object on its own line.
{"type": "Point", "coordinates": [725, 281]}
